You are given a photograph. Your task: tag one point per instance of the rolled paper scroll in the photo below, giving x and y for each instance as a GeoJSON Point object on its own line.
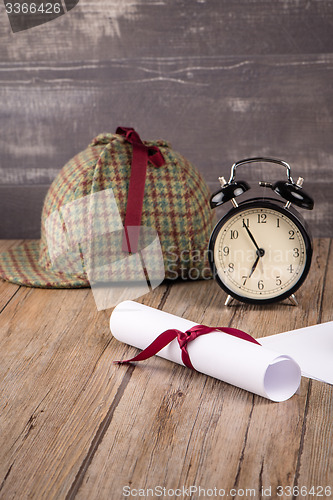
{"type": "Point", "coordinates": [228, 358]}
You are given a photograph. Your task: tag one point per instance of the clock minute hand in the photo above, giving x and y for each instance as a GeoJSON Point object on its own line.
{"type": "Point", "coordinates": [252, 237]}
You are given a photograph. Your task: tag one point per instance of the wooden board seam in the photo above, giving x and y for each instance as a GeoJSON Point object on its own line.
{"type": "Point", "coordinates": [98, 438]}
{"type": "Point", "coordinates": [105, 424]}
{"type": "Point", "coordinates": [302, 439]}
{"type": "Point", "coordinates": [241, 459]}
{"type": "Point", "coordinates": [9, 300]}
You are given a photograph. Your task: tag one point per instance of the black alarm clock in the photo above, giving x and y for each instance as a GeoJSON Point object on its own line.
{"type": "Point", "coordinates": [260, 251]}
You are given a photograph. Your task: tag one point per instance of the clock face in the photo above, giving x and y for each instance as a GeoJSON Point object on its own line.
{"type": "Point", "coordinates": [260, 252]}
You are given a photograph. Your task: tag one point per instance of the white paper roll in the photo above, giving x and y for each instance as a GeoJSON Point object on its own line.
{"type": "Point", "coordinates": [220, 355]}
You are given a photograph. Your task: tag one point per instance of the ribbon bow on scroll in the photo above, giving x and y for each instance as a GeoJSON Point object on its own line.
{"type": "Point", "coordinates": [141, 155]}
{"type": "Point", "coordinates": [183, 338]}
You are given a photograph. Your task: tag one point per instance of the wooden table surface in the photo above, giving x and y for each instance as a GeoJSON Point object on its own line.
{"type": "Point", "coordinates": [74, 425]}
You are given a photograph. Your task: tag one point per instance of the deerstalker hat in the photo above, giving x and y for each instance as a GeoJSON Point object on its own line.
{"type": "Point", "coordinates": [175, 203]}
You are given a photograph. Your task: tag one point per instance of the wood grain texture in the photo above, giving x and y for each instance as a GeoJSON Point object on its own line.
{"type": "Point", "coordinates": [220, 80]}
{"type": "Point", "coordinates": [58, 376]}
{"type": "Point", "coordinates": [75, 426]}
{"type": "Point", "coordinates": [167, 28]}
{"type": "Point", "coordinates": [316, 459]}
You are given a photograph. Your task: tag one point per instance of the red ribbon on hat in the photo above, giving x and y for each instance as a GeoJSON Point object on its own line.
{"type": "Point", "coordinates": [183, 339]}
{"type": "Point", "coordinates": [140, 157]}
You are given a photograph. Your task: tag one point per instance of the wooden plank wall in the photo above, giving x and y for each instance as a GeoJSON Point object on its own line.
{"type": "Point", "coordinates": [220, 80]}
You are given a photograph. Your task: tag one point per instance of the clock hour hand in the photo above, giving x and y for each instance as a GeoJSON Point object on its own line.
{"type": "Point", "coordinates": [260, 253]}
{"type": "Point", "coordinates": [254, 264]}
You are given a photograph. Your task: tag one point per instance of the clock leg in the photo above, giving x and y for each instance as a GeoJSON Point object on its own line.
{"type": "Point", "coordinates": [228, 301]}
{"type": "Point", "coordinates": [293, 300]}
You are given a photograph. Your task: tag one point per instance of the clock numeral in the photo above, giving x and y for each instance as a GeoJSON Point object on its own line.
{"type": "Point", "coordinates": [291, 234]}
{"type": "Point", "coordinates": [225, 251]}
{"type": "Point", "coordinates": [277, 222]}
{"type": "Point", "coordinates": [233, 234]}
{"type": "Point", "coordinates": [244, 278]}
{"type": "Point", "coordinates": [278, 281]}
{"type": "Point", "coordinates": [296, 252]}
{"type": "Point", "coordinates": [246, 223]}
{"type": "Point", "coordinates": [262, 218]}
{"type": "Point", "coordinates": [290, 268]}
{"type": "Point", "coordinates": [231, 267]}
{"type": "Point", "coordinates": [261, 285]}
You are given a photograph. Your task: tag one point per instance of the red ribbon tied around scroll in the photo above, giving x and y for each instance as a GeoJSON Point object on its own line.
{"type": "Point", "coordinates": [141, 155]}
{"type": "Point", "coordinates": [183, 339]}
